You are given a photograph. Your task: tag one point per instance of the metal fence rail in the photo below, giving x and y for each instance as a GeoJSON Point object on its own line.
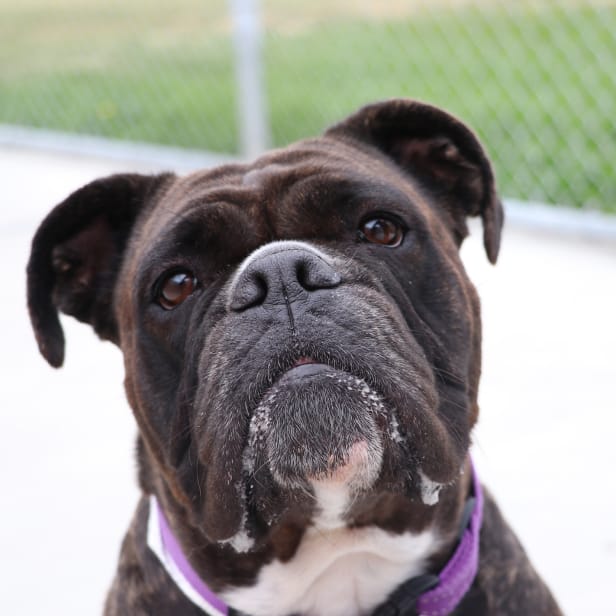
{"type": "Point", "coordinates": [535, 78]}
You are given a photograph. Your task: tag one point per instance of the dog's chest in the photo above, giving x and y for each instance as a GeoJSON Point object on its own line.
{"type": "Point", "coordinates": [339, 572]}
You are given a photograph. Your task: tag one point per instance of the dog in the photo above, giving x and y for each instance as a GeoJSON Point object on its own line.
{"type": "Point", "coordinates": [302, 351]}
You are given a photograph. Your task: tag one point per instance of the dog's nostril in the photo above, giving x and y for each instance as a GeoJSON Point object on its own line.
{"type": "Point", "coordinates": [313, 273]}
{"type": "Point", "coordinates": [300, 274]}
{"type": "Point", "coordinates": [252, 292]}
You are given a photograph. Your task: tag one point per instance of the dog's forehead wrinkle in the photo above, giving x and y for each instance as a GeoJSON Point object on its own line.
{"type": "Point", "coordinates": [258, 176]}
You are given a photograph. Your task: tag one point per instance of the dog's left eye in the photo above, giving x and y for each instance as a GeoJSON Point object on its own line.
{"type": "Point", "coordinates": [381, 230]}
{"type": "Point", "coordinates": [174, 288]}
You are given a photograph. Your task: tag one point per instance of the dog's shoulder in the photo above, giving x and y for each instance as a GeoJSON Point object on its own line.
{"type": "Point", "coordinates": [506, 583]}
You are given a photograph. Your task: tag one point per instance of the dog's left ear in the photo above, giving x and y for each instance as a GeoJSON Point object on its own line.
{"type": "Point", "coordinates": [76, 254]}
{"type": "Point", "coordinates": [442, 153]}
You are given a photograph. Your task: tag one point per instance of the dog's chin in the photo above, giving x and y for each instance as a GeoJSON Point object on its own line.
{"type": "Point", "coordinates": [318, 432]}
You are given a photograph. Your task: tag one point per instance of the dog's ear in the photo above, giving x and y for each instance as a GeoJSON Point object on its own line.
{"type": "Point", "coordinates": [76, 254]}
{"type": "Point", "coordinates": [442, 153]}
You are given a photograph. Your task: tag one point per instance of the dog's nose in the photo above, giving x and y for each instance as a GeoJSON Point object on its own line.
{"type": "Point", "coordinates": [280, 274]}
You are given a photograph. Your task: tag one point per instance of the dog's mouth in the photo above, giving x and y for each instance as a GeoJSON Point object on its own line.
{"type": "Point", "coordinates": [295, 367]}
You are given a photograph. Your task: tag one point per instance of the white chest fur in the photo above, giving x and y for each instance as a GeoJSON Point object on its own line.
{"type": "Point", "coordinates": [336, 572]}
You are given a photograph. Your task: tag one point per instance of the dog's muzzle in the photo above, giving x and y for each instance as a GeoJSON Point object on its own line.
{"type": "Point", "coordinates": [316, 423]}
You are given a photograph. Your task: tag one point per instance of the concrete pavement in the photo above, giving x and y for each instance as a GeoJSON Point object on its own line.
{"type": "Point", "coordinates": [545, 443]}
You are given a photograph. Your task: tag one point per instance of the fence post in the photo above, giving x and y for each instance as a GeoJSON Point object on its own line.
{"type": "Point", "coordinates": [250, 95]}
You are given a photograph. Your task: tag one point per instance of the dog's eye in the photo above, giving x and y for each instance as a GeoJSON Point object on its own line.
{"type": "Point", "coordinates": [174, 289]}
{"type": "Point", "coordinates": [381, 231]}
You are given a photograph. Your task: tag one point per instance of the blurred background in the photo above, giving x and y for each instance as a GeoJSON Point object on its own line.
{"type": "Point", "coordinates": [89, 88]}
{"type": "Point", "coordinates": [535, 78]}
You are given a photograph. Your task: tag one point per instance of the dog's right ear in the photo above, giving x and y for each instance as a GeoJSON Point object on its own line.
{"type": "Point", "coordinates": [76, 255]}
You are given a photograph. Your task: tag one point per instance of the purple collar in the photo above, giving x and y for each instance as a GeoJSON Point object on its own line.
{"type": "Point", "coordinates": [446, 591]}
{"type": "Point", "coordinates": [163, 543]}
{"type": "Point", "coordinates": [456, 577]}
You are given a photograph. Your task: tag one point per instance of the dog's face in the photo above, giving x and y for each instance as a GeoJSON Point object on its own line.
{"type": "Point", "coordinates": [301, 342]}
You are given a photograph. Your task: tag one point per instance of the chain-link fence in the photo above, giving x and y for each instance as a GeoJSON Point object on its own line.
{"type": "Point", "coordinates": [536, 79]}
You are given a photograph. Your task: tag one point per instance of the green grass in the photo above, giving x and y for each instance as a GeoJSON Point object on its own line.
{"type": "Point", "coordinates": [146, 72]}
{"type": "Point", "coordinates": [537, 82]}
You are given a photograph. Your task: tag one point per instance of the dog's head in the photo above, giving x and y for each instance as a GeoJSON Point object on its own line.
{"type": "Point", "coordinates": [301, 342]}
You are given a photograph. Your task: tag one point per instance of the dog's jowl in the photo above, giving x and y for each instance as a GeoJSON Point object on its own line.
{"type": "Point", "coordinates": [302, 350]}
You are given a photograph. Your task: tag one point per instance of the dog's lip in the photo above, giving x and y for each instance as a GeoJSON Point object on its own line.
{"type": "Point", "coordinates": [305, 369]}
{"type": "Point", "coordinates": [306, 365]}
{"type": "Point", "coordinates": [284, 367]}
{"type": "Point", "coordinates": [303, 361]}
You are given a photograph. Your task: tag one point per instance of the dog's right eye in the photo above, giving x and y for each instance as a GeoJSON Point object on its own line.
{"type": "Point", "coordinates": [174, 288]}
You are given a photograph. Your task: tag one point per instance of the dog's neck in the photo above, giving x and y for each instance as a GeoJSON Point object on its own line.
{"type": "Point", "coordinates": [335, 571]}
